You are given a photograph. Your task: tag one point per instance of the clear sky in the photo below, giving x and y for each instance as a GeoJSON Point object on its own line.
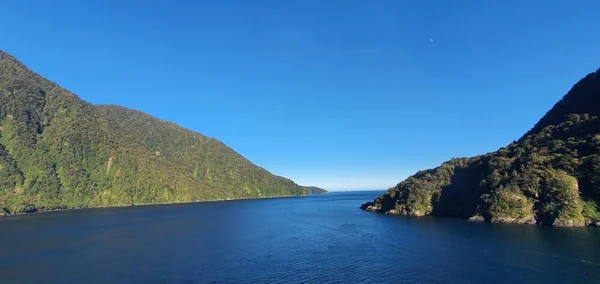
{"type": "Point", "coordinates": [338, 94]}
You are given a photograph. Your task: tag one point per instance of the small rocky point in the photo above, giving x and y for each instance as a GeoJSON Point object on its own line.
{"type": "Point", "coordinates": [370, 206]}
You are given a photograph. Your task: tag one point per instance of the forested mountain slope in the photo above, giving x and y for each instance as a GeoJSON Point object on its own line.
{"type": "Point", "coordinates": [549, 176]}
{"type": "Point", "coordinates": [59, 152]}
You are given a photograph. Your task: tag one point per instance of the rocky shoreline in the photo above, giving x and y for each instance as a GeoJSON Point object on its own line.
{"type": "Point", "coordinates": [528, 220]}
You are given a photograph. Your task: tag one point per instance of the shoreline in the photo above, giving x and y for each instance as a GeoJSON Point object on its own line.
{"type": "Point", "coordinates": [153, 204]}
{"type": "Point", "coordinates": [530, 220]}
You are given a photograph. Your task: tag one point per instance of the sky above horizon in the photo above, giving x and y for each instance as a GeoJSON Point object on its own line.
{"type": "Point", "coordinates": [337, 94]}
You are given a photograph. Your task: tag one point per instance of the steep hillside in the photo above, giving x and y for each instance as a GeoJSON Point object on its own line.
{"type": "Point", "coordinates": [550, 176]}
{"type": "Point", "coordinates": [206, 159]}
{"type": "Point", "coordinates": [59, 152]}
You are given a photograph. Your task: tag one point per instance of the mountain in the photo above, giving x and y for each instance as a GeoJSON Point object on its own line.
{"type": "Point", "coordinates": [59, 152]}
{"type": "Point", "coordinates": [314, 190]}
{"type": "Point", "coordinates": [549, 176]}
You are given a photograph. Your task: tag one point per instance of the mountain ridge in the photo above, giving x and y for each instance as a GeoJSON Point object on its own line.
{"type": "Point", "coordinates": [60, 152]}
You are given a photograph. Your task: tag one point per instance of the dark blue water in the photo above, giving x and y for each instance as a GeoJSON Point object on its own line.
{"type": "Point", "coordinates": [316, 239]}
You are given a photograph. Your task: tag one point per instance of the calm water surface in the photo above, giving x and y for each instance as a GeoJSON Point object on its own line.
{"type": "Point", "coordinates": [316, 239]}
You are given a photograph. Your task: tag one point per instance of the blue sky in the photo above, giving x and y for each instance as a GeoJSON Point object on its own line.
{"type": "Point", "coordinates": [339, 94]}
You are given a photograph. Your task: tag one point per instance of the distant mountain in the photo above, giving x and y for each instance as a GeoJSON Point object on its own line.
{"type": "Point", "coordinates": [314, 190]}
{"type": "Point", "coordinates": [59, 152]}
{"type": "Point", "coordinates": [549, 176]}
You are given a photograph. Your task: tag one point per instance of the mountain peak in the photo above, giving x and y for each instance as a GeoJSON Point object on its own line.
{"type": "Point", "coordinates": [583, 98]}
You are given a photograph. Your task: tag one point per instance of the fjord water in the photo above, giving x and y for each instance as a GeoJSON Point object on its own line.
{"type": "Point", "coordinates": [315, 239]}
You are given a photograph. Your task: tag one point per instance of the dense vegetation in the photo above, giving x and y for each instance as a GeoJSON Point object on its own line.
{"type": "Point", "coordinates": [549, 176]}
{"type": "Point", "coordinates": [59, 152]}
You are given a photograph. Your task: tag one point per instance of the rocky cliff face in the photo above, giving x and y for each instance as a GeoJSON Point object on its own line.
{"type": "Point", "coordinates": [550, 176]}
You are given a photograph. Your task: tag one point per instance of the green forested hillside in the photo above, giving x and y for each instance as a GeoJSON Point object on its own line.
{"type": "Point", "coordinates": [59, 152]}
{"type": "Point", "coordinates": [205, 159]}
{"type": "Point", "coordinates": [549, 176]}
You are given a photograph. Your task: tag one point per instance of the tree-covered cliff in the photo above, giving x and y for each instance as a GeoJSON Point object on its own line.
{"type": "Point", "coordinates": [549, 176]}
{"type": "Point", "coordinates": [59, 152]}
